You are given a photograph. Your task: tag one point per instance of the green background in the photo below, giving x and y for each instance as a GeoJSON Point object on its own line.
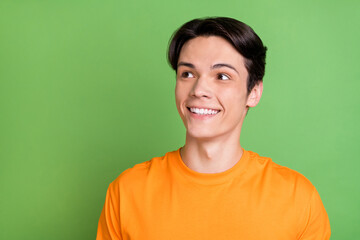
{"type": "Point", "coordinates": [86, 92]}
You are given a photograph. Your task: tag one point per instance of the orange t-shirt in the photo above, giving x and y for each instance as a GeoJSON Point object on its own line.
{"type": "Point", "coordinates": [163, 199]}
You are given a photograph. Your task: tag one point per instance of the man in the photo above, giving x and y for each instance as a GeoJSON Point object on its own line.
{"type": "Point", "coordinates": [212, 188]}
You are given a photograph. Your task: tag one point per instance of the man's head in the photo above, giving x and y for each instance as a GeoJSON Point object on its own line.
{"type": "Point", "coordinates": [237, 33]}
{"type": "Point", "coordinates": [219, 64]}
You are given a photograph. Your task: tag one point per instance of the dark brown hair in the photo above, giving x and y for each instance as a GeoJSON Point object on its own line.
{"type": "Point", "coordinates": [237, 33]}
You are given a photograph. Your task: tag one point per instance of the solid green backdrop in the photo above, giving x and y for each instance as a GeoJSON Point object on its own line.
{"type": "Point", "coordinates": [86, 92]}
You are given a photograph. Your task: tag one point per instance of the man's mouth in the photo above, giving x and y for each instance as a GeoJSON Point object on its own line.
{"type": "Point", "coordinates": [203, 111]}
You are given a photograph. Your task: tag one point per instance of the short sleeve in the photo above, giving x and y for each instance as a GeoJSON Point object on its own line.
{"type": "Point", "coordinates": [318, 225]}
{"type": "Point", "coordinates": [109, 222]}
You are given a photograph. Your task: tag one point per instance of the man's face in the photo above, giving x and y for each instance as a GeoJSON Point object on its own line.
{"type": "Point", "coordinates": [211, 88]}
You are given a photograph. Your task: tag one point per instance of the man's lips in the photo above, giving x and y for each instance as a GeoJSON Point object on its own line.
{"type": "Point", "coordinates": [203, 111]}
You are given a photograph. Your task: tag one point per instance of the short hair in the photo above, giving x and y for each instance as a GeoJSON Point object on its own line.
{"type": "Point", "coordinates": [241, 36]}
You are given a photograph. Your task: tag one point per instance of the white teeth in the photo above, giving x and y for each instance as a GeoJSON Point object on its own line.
{"type": "Point", "coordinates": [204, 111]}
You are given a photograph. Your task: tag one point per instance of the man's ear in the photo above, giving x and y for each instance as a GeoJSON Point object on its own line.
{"type": "Point", "coordinates": [255, 95]}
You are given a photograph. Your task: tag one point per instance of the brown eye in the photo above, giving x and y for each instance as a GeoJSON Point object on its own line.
{"type": "Point", "coordinates": [223, 76]}
{"type": "Point", "coordinates": [187, 75]}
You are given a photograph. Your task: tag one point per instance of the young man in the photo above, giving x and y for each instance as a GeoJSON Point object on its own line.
{"type": "Point", "coordinates": [212, 188]}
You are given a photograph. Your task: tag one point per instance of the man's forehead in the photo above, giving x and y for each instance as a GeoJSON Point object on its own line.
{"type": "Point", "coordinates": [212, 52]}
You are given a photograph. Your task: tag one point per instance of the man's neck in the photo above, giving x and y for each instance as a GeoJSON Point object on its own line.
{"type": "Point", "coordinates": [205, 156]}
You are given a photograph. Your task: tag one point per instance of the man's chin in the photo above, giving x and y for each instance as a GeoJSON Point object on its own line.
{"type": "Point", "coordinates": [201, 134]}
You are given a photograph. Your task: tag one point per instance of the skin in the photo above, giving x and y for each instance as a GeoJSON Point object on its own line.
{"type": "Point", "coordinates": [211, 74]}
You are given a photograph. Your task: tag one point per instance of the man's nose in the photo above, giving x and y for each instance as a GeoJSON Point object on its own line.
{"type": "Point", "coordinates": [201, 88]}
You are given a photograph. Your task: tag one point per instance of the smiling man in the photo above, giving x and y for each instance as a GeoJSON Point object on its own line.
{"type": "Point", "coordinates": [211, 188]}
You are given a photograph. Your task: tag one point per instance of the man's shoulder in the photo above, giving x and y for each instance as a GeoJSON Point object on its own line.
{"type": "Point", "coordinates": [139, 172]}
{"type": "Point", "coordinates": [268, 170]}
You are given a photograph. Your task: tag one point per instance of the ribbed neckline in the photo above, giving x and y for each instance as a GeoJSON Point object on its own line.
{"type": "Point", "coordinates": [209, 178]}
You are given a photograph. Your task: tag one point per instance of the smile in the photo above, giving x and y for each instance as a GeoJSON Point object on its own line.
{"type": "Point", "coordinates": [203, 111]}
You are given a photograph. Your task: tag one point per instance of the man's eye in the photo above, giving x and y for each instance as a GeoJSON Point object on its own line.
{"type": "Point", "coordinates": [222, 76]}
{"type": "Point", "coordinates": [187, 75]}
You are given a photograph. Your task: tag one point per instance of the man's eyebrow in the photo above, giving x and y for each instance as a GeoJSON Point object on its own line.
{"type": "Point", "coordinates": [220, 65]}
{"type": "Point", "coordinates": [186, 64]}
